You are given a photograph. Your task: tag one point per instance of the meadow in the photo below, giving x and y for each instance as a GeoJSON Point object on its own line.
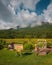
{"type": "Point", "coordinates": [8, 57]}
{"type": "Point", "coordinates": [22, 40]}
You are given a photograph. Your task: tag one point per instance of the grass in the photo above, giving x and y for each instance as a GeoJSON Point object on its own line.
{"type": "Point", "coordinates": [8, 57]}
{"type": "Point", "coordinates": [22, 40]}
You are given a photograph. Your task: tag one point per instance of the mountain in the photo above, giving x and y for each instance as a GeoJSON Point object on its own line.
{"type": "Point", "coordinates": [39, 31]}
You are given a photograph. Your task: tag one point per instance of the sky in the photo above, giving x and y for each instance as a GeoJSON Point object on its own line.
{"type": "Point", "coordinates": [24, 12]}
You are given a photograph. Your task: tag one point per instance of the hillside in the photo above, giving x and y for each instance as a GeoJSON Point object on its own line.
{"type": "Point", "coordinates": [41, 31]}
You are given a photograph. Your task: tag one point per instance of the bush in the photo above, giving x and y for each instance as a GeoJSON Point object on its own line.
{"type": "Point", "coordinates": [28, 46]}
{"type": "Point", "coordinates": [1, 46]}
{"type": "Point", "coordinates": [49, 44]}
{"type": "Point", "coordinates": [40, 45]}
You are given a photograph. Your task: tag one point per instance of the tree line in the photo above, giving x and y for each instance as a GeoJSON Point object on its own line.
{"type": "Point", "coordinates": [40, 31]}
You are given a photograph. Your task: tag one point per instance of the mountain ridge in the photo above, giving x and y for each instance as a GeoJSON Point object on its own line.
{"type": "Point", "coordinates": [39, 31]}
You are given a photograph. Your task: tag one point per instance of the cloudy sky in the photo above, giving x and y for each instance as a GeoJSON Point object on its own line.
{"type": "Point", "coordinates": [24, 12]}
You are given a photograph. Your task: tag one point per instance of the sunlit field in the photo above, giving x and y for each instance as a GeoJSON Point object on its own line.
{"type": "Point", "coordinates": [21, 40]}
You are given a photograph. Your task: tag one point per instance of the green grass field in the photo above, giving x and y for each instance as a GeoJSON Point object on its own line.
{"type": "Point", "coordinates": [8, 57]}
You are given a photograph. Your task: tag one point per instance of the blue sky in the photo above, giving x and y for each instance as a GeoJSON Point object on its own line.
{"type": "Point", "coordinates": [24, 12]}
{"type": "Point", "coordinates": [41, 5]}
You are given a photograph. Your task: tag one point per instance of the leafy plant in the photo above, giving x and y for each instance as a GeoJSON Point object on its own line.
{"type": "Point", "coordinates": [49, 44]}
{"type": "Point", "coordinates": [40, 45]}
{"type": "Point", "coordinates": [28, 46]}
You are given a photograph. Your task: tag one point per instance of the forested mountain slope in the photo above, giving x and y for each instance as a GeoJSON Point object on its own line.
{"type": "Point", "coordinates": [41, 31]}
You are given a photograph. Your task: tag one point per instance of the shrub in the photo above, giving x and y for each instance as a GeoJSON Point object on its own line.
{"type": "Point", "coordinates": [40, 45]}
{"type": "Point", "coordinates": [28, 46]}
{"type": "Point", "coordinates": [49, 44]}
{"type": "Point", "coordinates": [1, 46]}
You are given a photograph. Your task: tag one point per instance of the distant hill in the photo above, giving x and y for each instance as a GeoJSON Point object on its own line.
{"type": "Point", "coordinates": [39, 31]}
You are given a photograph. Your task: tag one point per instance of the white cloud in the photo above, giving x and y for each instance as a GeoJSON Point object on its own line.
{"type": "Point", "coordinates": [15, 4]}
{"type": "Point", "coordinates": [23, 18]}
{"type": "Point", "coordinates": [11, 9]}
{"type": "Point", "coordinates": [3, 25]}
{"type": "Point", "coordinates": [30, 4]}
{"type": "Point", "coordinates": [48, 13]}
